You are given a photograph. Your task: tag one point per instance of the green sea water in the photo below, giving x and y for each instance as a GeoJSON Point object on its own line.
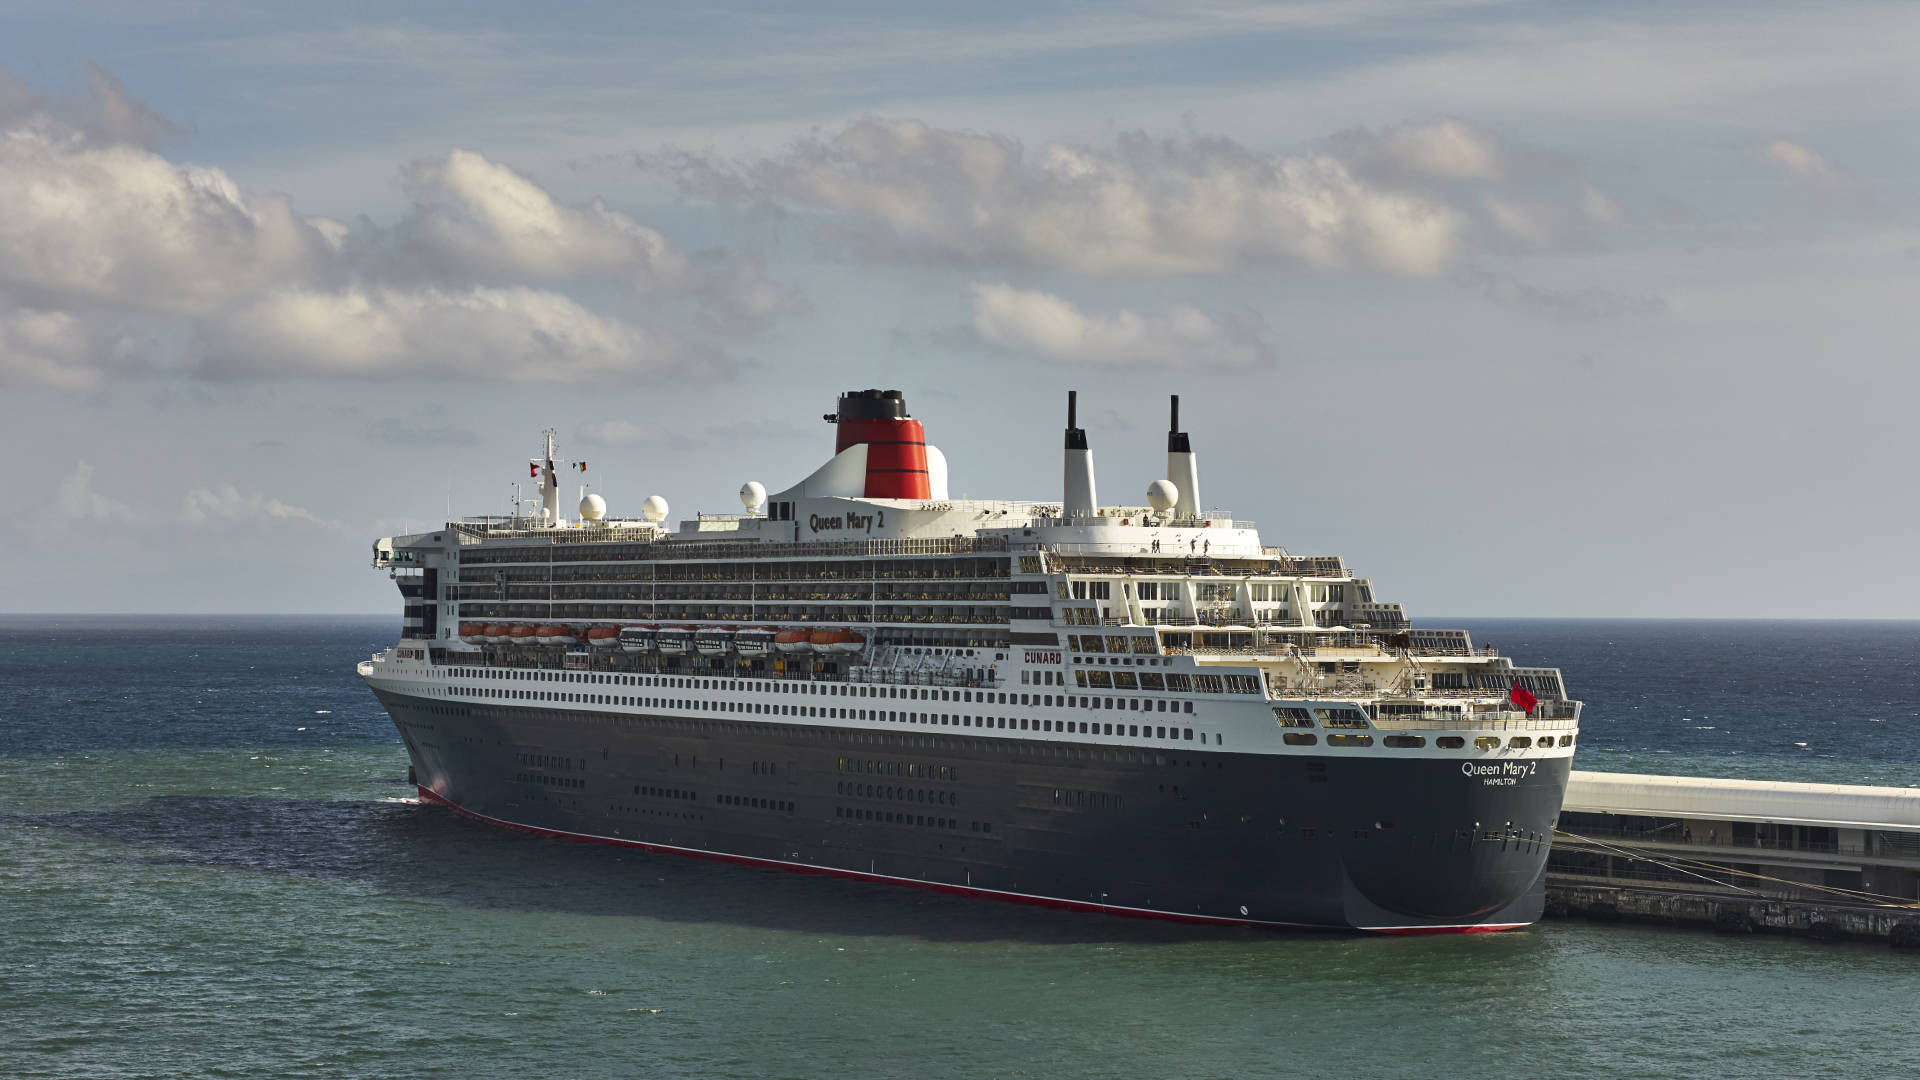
{"type": "Point", "coordinates": [187, 905]}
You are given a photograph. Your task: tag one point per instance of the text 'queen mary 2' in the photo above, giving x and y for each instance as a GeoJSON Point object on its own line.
{"type": "Point", "coordinates": [1127, 709]}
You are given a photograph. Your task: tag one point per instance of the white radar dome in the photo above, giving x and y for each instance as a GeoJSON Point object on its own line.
{"type": "Point", "coordinates": [593, 508]}
{"type": "Point", "coordinates": [1161, 495]}
{"type": "Point", "coordinates": [753, 495]}
{"type": "Point", "coordinates": [654, 509]}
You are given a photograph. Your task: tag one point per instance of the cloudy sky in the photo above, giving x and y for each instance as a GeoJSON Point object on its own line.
{"type": "Point", "coordinates": [1526, 309]}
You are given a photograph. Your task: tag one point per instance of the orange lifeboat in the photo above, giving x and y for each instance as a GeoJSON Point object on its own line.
{"type": "Point", "coordinates": [603, 637]}
{"type": "Point", "coordinates": [793, 641]}
{"type": "Point", "coordinates": [473, 633]}
{"type": "Point", "coordinates": [521, 635]}
{"type": "Point", "coordinates": [498, 634]}
{"type": "Point", "coordinates": [838, 641]}
{"type": "Point", "coordinates": [554, 635]}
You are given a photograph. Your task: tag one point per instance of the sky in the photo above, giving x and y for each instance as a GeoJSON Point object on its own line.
{"type": "Point", "coordinates": [1526, 309]}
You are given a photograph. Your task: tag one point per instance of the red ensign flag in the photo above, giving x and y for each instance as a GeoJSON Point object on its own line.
{"type": "Point", "coordinates": [1523, 697]}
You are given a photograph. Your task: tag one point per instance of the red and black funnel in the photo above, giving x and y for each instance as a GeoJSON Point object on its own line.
{"type": "Point", "coordinates": [896, 444]}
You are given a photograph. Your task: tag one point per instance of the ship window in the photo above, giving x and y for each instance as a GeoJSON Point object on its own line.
{"type": "Point", "coordinates": [1300, 738]}
{"type": "Point", "coordinates": [1566, 740]}
{"type": "Point", "coordinates": [1520, 742]}
{"type": "Point", "coordinates": [1406, 742]}
{"type": "Point", "coordinates": [1486, 742]}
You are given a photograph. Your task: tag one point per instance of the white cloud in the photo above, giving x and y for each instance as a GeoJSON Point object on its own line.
{"type": "Point", "coordinates": [75, 501]}
{"type": "Point", "coordinates": [1447, 149]}
{"type": "Point", "coordinates": [61, 350]}
{"type": "Point", "coordinates": [227, 503]}
{"type": "Point", "coordinates": [1407, 199]}
{"type": "Point", "coordinates": [118, 225]}
{"type": "Point", "coordinates": [1185, 338]}
{"type": "Point", "coordinates": [481, 220]}
{"type": "Point", "coordinates": [1807, 168]}
{"type": "Point", "coordinates": [1192, 204]}
{"type": "Point", "coordinates": [98, 232]}
{"type": "Point", "coordinates": [514, 334]}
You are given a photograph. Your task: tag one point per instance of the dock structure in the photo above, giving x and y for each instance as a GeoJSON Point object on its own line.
{"type": "Point", "coordinates": [1823, 860]}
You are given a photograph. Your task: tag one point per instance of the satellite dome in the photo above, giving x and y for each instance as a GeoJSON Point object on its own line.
{"type": "Point", "coordinates": [1161, 495]}
{"type": "Point", "coordinates": [753, 495]}
{"type": "Point", "coordinates": [592, 508]}
{"type": "Point", "coordinates": [654, 509]}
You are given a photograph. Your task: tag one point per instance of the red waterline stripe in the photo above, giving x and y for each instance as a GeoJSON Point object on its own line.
{"type": "Point", "coordinates": [428, 795]}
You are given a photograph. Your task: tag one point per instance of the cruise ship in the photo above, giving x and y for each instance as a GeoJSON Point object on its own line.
{"type": "Point", "coordinates": [1129, 709]}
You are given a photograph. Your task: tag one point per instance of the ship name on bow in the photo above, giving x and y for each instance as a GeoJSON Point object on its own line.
{"type": "Point", "coordinates": [1500, 773]}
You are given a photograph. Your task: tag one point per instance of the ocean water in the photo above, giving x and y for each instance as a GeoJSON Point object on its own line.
{"type": "Point", "coordinates": [208, 870]}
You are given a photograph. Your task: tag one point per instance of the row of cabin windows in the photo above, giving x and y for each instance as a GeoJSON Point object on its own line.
{"type": "Point", "coordinates": [1414, 742]}
{"type": "Point", "coordinates": [897, 794]}
{"type": "Point", "coordinates": [898, 768]}
{"type": "Point", "coordinates": [550, 781]}
{"type": "Point", "coordinates": [1002, 723]}
{"type": "Point", "coordinates": [889, 817]}
{"type": "Point", "coordinates": [754, 802]}
{"type": "Point", "coordinates": [1145, 644]}
{"type": "Point", "coordinates": [536, 563]}
{"type": "Point", "coordinates": [1087, 800]}
{"type": "Point", "coordinates": [1170, 682]}
{"type": "Point", "coordinates": [1210, 684]}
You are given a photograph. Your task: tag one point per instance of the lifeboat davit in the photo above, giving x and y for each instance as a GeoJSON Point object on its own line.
{"type": "Point", "coordinates": [553, 635]}
{"type": "Point", "coordinates": [754, 641]}
{"type": "Point", "coordinates": [637, 638]}
{"type": "Point", "coordinates": [713, 640]}
{"type": "Point", "coordinates": [473, 633]}
{"type": "Point", "coordinates": [674, 640]}
{"type": "Point", "coordinates": [603, 637]}
{"type": "Point", "coordinates": [838, 641]}
{"type": "Point", "coordinates": [499, 635]}
{"type": "Point", "coordinates": [522, 635]}
{"type": "Point", "coordinates": [793, 641]}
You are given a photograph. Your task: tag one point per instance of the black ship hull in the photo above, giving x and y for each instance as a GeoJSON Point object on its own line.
{"type": "Point", "coordinates": [1395, 844]}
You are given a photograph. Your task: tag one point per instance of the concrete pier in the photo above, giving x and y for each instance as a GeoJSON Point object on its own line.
{"type": "Point", "coordinates": [1826, 861]}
